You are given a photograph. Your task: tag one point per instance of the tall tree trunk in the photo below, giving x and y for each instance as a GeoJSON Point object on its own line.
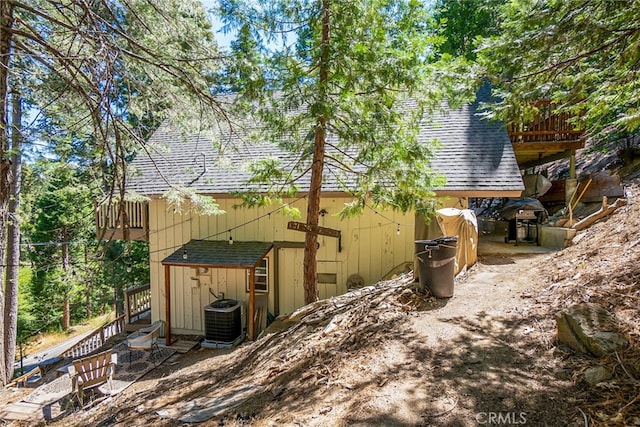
{"type": "Point", "coordinates": [88, 288]}
{"type": "Point", "coordinates": [66, 310]}
{"type": "Point", "coordinates": [6, 22]}
{"type": "Point", "coordinates": [87, 302]}
{"type": "Point", "coordinates": [13, 237]}
{"type": "Point", "coordinates": [121, 178]}
{"type": "Point", "coordinates": [315, 187]}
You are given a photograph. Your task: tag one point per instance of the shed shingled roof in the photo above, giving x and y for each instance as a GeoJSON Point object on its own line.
{"type": "Point", "coordinates": [219, 254]}
{"type": "Point", "coordinates": [475, 156]}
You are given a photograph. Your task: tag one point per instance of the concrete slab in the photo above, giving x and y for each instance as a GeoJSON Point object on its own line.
{"type": "Point", "coordinates": [494, 244]}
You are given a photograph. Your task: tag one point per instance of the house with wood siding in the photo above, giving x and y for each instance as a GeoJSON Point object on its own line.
{"type": "Point", "coordinates": [253, 256]}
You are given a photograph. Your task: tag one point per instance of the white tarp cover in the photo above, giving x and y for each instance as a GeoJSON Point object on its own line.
{"type": "Point", "coordinates": [461, 223]}
{"type": "Point", "coordinates": [535, 185]}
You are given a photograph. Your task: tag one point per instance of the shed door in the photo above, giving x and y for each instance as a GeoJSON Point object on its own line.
{"type": "Point", "coordinates": [290, 279]}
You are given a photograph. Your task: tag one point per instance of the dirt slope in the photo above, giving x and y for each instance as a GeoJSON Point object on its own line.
{"type": "Point", "coordinates": [392, 359]}
{"type": "Point", "coordinates": [385, 356]}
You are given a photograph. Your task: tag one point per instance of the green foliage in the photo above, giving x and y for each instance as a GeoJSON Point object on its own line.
{"type": "Point", "coordinates": [584, 55]}
{"type": "Point", "coordinates": [378, 85]}
{"type": "Point", "coordinates": [125, 265]}
{"type": "Point", "coordinates": [178, 197]}
{"type": "Point", "coordinates": [463, 24]}
{"type": "Point", "coordinates": [61, 211]}
{"type": "Point", "coordinates": [102, 76]}
{"type": "Point", "coordinates": [27, 321]}
{"type": "Point", "coordinates": [63, 216]}
{"type": "Point", "coordinates": [97, 77]}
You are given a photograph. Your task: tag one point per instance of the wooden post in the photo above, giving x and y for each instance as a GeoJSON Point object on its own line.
{"type": "Point", "coordinates": [252, 303]}
{"type": "Point", "coordinates": [572, 165]}
{"type": "Point", "coordinates": [127, 307]}
{"type": "Point", "coordinates": [584, 190]}
{"type": "Point", "coordinates": [167, 307]}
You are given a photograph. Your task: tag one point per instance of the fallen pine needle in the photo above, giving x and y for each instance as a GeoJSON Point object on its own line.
{"type": "Point", "coordinates": [447, 411]}
{"type": "Point", "coordinates": [586, 421]}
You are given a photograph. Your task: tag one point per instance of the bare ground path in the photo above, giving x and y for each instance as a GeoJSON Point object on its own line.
{"type": "Point", "coordinates": [480, 357]}
{"type": "Point", "coordinates": [489, 353]}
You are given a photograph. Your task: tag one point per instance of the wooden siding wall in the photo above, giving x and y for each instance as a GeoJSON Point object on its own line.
{"type": "Point", "coordinates": [371, 247]}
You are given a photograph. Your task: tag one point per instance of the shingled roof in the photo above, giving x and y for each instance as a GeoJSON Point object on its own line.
{"type": "Point", "coordinates": [219, 254]}
{"type": "Point", "coordinates": [475, 156]}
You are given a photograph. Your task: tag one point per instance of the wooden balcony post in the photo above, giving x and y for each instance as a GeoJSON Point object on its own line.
{"type": "Point", "coordinates": [127, 307]}
{"type": "Point", "coordinates": [252, 303]}
{"type": "Point", "coordinates": [167, 302]}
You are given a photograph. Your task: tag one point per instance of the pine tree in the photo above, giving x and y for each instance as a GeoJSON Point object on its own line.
{"type": "Point", "coordinates": [330, 81]}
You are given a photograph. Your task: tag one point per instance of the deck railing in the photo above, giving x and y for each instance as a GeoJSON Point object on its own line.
{"type": "Point", "coordinates": [137, 301]}
{"type": "Point", "coordinates": [134, 218]}
{"type": "Point", "coordinates": [23, 380]}
{"type": "Point", "coordinates": [95, 340]}
{"type": "Point", "coordinates": [546, 126]}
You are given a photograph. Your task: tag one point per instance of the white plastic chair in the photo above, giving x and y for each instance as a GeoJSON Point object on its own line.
{"type": "Point", "coordinates": [145, 339]}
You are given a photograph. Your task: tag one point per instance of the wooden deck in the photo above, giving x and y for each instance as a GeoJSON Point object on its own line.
{"type": "Point", "coordinates": [137, 324]}
{"type": "Point", "coordinates": [181, 345]}
{"type": "Point", "coordinates": [30, 412]}
{"type": "Point", "coordinates": [548, 137]}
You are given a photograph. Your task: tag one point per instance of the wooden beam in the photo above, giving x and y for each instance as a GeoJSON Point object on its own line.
{"type": "Point", "coordinates": [205, 265]}
{"type": "Point", "coordinates": [276, 280]}
{"type": "Point", "coordinates": [478, 193]}
{"type": "Point", "coordinates": [167, 302]}
{"type": "Point", "coordinates": [546, 147]}
{"type": "Point", "coordinates": [578, 133]}
{"type": "Point", "coordinates": [546, 159]}
{"type": "Point", "coordinates": [252, 303]}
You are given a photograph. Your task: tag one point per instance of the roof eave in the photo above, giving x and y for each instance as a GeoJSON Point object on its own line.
{"type": "Point", "coordinates": [439, 193]}
{"type": "Point", "coordinates": [479, 193]}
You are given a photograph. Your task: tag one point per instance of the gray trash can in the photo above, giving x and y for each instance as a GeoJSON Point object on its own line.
{"type": "Point", "coordinates": [436, 265]}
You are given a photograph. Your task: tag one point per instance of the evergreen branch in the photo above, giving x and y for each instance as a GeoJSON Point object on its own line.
{"type": "Point", "coordinates": [576, 58]}
{"type": "Point", "coordinates": [341, 165]}
{"type": "Point", "coordinates": [19, 5]}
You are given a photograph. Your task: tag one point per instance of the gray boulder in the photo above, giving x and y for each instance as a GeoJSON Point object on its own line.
{"type": "Point", "coordinates": [589, 328]}
{"type": "Point", "coordinates": [597, 374]}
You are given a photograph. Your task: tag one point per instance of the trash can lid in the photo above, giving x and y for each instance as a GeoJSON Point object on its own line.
{"type": "Point", "coordinates": [447, 239]}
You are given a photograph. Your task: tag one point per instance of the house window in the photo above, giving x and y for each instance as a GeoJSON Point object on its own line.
{"type": "Point", "coordinates": [262, 276]}
{"type": "Point", "coordinates": [328, 278]}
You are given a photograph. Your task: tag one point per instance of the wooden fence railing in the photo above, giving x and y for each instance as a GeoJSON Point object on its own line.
{"type": "Point", "coordinates": [23, 380]}
{"type": "Point", "coordinates": [137, 301]}
{"type": "Point", "coordinates": [546, 126]}
{"type": "Point", "coordinates": [130, 224]}
{"type": "Point", "coordinates": [95, 340]}
{"type": "Point", "coordinates": [108, 215]}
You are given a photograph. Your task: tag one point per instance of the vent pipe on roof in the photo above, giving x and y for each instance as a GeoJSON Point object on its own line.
{"type": "Point", "coordinates": [204, 161]}
{"type": "Point", "coordinates": [197, 163]}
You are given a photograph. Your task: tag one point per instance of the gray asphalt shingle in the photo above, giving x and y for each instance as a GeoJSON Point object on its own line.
{"type": "Point", "coordinates": [220, 254]}
{"type": "Point", "coordinates": [474, 155]}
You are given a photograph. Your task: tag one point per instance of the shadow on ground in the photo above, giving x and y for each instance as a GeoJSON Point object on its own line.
{"type": "Point", "coordinates": [489, 370]}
